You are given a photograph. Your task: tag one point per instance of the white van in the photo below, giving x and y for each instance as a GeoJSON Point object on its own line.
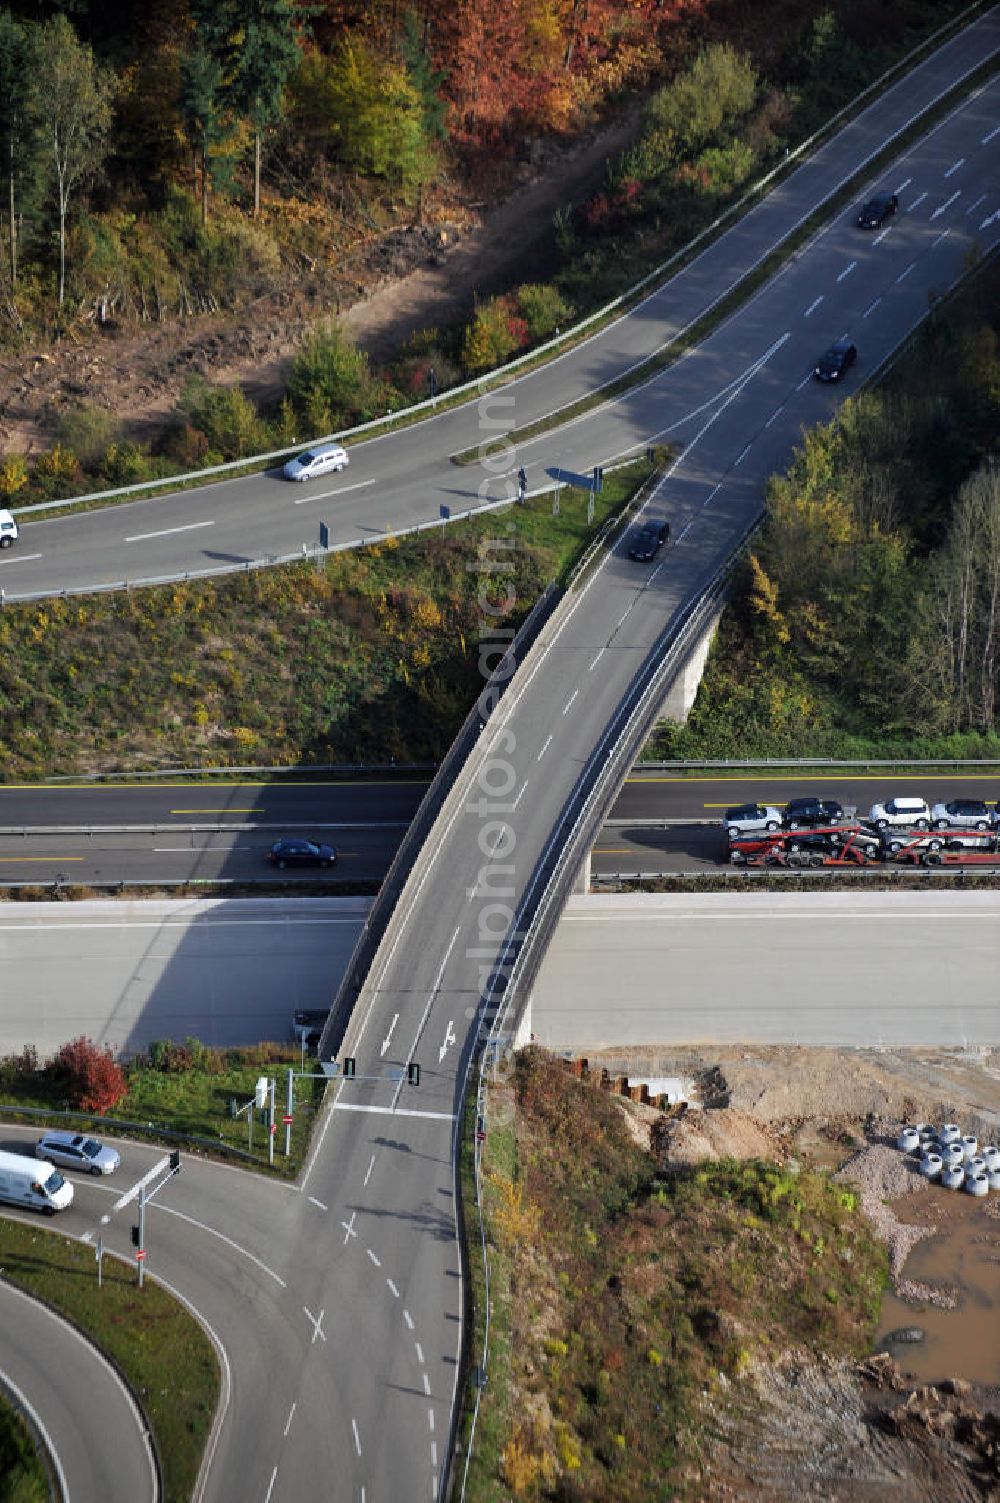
{"type": "Point", "coordinates": [8, 529]}
{"type": "Point", "coordinates": [38, 1187]}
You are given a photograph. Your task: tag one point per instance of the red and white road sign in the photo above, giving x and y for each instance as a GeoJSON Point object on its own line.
{"type": "Point", "coordinates": [140, 1253]}
{"type": "Point", "coordinates": [287, 1119]}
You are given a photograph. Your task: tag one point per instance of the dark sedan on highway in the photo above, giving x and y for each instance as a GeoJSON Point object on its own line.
{"type": "Point", "coordinates": [648, 541]}
{"type": "Point", "coordinates": [802, 813]}
{"type": "Point", "coordinates": [877, 210]}
{"type": "Point", "coordinates": [836, 361]}
{"type": "Point", "coordinates": [301, 853]}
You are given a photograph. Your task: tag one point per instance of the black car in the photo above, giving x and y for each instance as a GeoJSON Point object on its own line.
{"type": "Point", "coordinates": [877, 209]}
{"type": "Point", "coordinates": [649, 540]}
{"type": "Point", "coordinates": [802, 813]}
{"type": "Point", "coordinates": [836, 360]}
{"type": "Point", "coordinates": [301, 853]}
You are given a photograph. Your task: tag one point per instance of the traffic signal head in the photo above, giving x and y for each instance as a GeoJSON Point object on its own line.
{"type": "Point", "coordinates": [413, 1072]}
{"type": "Point", "coordinates": [349, 1068]}
{"type": "Point", "coordinates": [135, 1236]}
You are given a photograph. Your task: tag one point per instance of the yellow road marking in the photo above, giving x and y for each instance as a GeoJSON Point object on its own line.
{"type": "Point", "coordinates": [214, 811]}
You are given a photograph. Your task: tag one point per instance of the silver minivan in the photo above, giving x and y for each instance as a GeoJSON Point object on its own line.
{"type": "Point", "coordinates": [320, 460]}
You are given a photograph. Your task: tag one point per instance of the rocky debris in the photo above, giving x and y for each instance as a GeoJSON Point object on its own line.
{"type": "Point", "coordinates": [804, 1427]}
{"type": "Point", "coordinates": [881, 1173]}
{"type": "Point", "coordinates": [917, 1293]}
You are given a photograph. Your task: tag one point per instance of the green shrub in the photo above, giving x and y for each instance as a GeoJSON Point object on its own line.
{"type": "Point", "coordinates": [227, 418]}
{"type": "Point", "coordinates": [88, 431]}
{"type": "Point", "coordinates": [543, 308]}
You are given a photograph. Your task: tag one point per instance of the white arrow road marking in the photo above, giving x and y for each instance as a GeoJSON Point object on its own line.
{"type": "Point", "coordinates": [388, 1038]}
{"type": "Point", "coordinates": [449, 1039]}
{"type": "Point", "coordinates": [317, 1325]}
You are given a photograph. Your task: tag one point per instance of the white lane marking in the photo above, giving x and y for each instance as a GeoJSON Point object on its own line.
{"type": "Point", "coordinates": [141, 537]}
{"type": "Point", "coordinates": [389, 1111]}
{"type": "Point", "coordinates": [270, 1485]}
{"type": "Point", "coordinates": [174, 923]}
{"type": "Point", "coordinates": [730, 914]}
{"type": "Point", "coordinates": [388, 1038]}
{"type": "Point", "coordinates": [987, 138]}
{"type": "Point", "coordinates": [881, 235]}
{"type": "Point", "coordinates": [317, 1324]}
{"type": "Point", "coordinates": [348, 1226]}
{"type": "Point", "coordinates": [589, 670]}
{"type": "Point", "coordinates": [708, 499]}
{"type": "Point", "coordinates": [430, 1420]}
{"type": "Point", "coordinates": [741, 456]}
{"type": "Point", "coordinates": [21, 558]}
{"type": "Point", "coordinates": [427, 1385]}
{"type": "Point", "coordinates": [140, 1184]}
{"type": "Point", "coordinates": [813, 306]}
{"type": "Point", "coordinates": [975, 205]}
{"type": "Point", "coordinates": [946, 205]}
{"type": "Point", "coordinates": [449, 1039]}
{"type": "Point", "coordinates": [288, 1422]}
{"type": "Point", "coordinates": [847, 271]}
{"type": "Point", "coordinates": [434, 1458]}
{"type": "Point", "coordinates": [408, 1318]}
{"type": "Point", "coordinates": [392, 1289]}
{"type": "Point", "coordinates": [520, 796]}
{"type": "Point", "coordinates": [943, 236]}
{"type": "Point", "coordinates": [774, 416]}
{"type": "Point", "coordinates": [904, 274]}
{"type": "Point", "coordinates": [569, 702]}
{"type": "Point", "coordinates": [916, 202]}
{"type": "Point", "coordinates": [373, 1257]}
{"type": "Point", "coordinates": [621, 621]}
{"type": "Point", "coordinates": [990, 219]}
{"type": "Point", "coordinates": [357, 1438]}
{"type": "Point", "coordinates": [371, 1166]}
{"type": "Point", "coordinates": [319, 1203]}
{"type": "Point", "coordinates": [871, 307]}
{"type": "Point", "coordinates": [904, 184]}
{"type": "Point", "coordinates": [548, 740]}
{"type": "Point", "coordinates": [804, 382]}
{"type": "Point", "coordinates": [656, 571]}
{"type": "Point", "coordinates": [420, 1352]}
{"type": "Point", "coordinates": [325, 495]}
{"type": "Point", "coordinates": [211, 1231]}
{"type": "Point", "coordinates": [955, 166]}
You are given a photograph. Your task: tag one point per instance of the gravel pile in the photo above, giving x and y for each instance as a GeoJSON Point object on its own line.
{"type": "Point", "coordinates": [880, 1173]}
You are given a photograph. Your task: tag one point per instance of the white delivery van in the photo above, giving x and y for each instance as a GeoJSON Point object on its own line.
{"type": "Point", "coordinates": [8, 529]}
{"type": "Point", "coordinates": [37, 1186]}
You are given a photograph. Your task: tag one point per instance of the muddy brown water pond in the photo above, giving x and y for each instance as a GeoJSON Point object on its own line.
{"type": "Point", "coordinates": [962, 1257]}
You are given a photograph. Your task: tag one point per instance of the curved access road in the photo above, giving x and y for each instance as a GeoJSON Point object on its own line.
{"type": "Point", "coordinates": [86, 1417]}
{"type": "Point", "coordinates": [403, 479]}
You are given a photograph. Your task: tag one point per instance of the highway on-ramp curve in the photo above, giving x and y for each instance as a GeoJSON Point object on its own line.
{"type": "Point", "coordinates": [401, 480]}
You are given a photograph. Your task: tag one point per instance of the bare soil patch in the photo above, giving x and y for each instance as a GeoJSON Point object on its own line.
{"type": "Point", "coordinates": [409, 278]}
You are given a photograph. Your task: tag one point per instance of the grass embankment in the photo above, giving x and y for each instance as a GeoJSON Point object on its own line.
{"type": "Point", "coordinates": [622, 1294]}
{"type": "Point", "coordinates": [371, 658]}
{"type": "Point", "coordinates": [22, 1476]}
{"type": "Point", "coordinates": [162, 1351]}
{"type": "Point", "coordinates": [863, 623]}
{"type": "Point", "coordinates": [185, 1090]}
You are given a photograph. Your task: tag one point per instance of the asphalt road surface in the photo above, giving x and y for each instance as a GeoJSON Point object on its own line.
{"type": "Point", "coordinates": [661, 821]}
{"type": "Point", "coordinates": [892, 968]}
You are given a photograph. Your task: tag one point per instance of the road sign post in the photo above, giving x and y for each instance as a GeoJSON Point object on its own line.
{"type": "Point", "coordinates": [99, 1255]}
{"type": "Point", "coordinates": [140, 1233]}
{"type": "Point", "coordinates": [270, 1120]}
{"type": "Point", "coordinates": [289, 1109]}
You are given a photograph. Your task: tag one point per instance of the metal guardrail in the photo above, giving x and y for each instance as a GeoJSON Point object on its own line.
{"type": "Point", "coordinates": [781, 763]}
{"type": "Point", "coordinates": [892, 874]}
